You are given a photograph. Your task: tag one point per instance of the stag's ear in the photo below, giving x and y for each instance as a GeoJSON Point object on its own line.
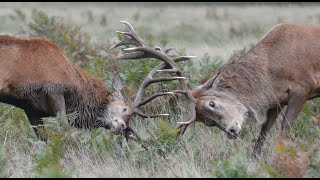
{"type": "Point", "coordinates": [117, 86]}
{"type": "Point", "coordinates": [211, 82]}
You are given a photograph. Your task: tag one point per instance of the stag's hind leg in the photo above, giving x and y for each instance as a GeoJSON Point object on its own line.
{"type": "Point", "coordinates": [272, 115]}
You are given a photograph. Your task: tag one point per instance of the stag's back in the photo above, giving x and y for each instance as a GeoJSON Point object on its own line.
{"type": "Point", "coordinates": [293, 46]}
{"type": "Point", "coordinates": [287, 55]}
{"type": "Point", "coordinates": [34, 61]}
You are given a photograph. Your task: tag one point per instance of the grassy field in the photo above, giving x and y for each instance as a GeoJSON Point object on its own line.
{"type": "Point", "coordinates": [213, 32]}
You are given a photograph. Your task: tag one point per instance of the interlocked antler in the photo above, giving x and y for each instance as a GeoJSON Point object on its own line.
{"type": "Point", "coordinates": [142, 50]}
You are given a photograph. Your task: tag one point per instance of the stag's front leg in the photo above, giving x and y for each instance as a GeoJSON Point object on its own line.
{"type": "Point", "coordinates": [272, 115]}
{"type": "Point", "coordinates": [35, 120]}
{"type": "Point", "coordinates": [295, 104]}
{"type": "Point", "coordinates": [57, 105]}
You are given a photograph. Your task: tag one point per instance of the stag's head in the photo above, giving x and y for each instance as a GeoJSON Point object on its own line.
{"type": "Point", "coordinates": [218, 107]}
{"type": "Point", "coordinates": [117, 113]}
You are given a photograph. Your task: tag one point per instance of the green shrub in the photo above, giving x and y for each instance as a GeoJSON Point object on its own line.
{"type": "Point", "coordinates": [18, 15]}
{"type": "Point", "coordinates": [160, 145]}
{"type": "Point", "coordinates": [235, 166]}
{"type": "Point", "coordinates": [314, 167]}
{"type": "Point", "coordinates": [49, 160]}
{"type": "Point", "coordinates": [49, 157]}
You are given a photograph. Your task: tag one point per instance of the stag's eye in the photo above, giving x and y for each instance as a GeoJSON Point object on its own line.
{"type": "Point", "coordinates": [124, 109]}
{"type": "Point", "coordinates": [211, 103]}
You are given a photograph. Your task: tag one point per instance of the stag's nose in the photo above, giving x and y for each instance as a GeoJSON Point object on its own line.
{"type": "Point", "coordinates": [234, 132]}
{"type": "Point", "coordinates": [122, 126]}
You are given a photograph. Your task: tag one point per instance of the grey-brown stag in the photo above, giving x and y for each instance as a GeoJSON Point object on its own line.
{"type": "Point", "coordinates": [282, 69]}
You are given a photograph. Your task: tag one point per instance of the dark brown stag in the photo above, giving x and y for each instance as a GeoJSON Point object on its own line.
{"type": "Point", "coordinates": [282, 69]}
{"type": "Point", "coordinates": [36, 77]}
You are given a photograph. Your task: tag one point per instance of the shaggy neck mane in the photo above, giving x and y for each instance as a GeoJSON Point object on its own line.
{"type": "Point", "coordinates": [240, 78]}
{"type": "Point", "coordinates": [89, 101]}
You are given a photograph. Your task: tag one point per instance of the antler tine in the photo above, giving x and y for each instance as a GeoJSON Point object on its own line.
{"type": "Point", "coordinates": [176, 59]}
{"type": "Point", "coordinates": [129, 38]}
{"type": "Point", "coordinates": [131, 56]}
{"type": "Point", "coordinates": [167, 50]}
{"type": "Point", "coordinates": [158, 48]}
{"type": "Point", "coordinates": [128, 25]}
{"type": "Point", "coordinates": [183, 58]}
{"type": "Point", "coordinates": [133, 34]}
